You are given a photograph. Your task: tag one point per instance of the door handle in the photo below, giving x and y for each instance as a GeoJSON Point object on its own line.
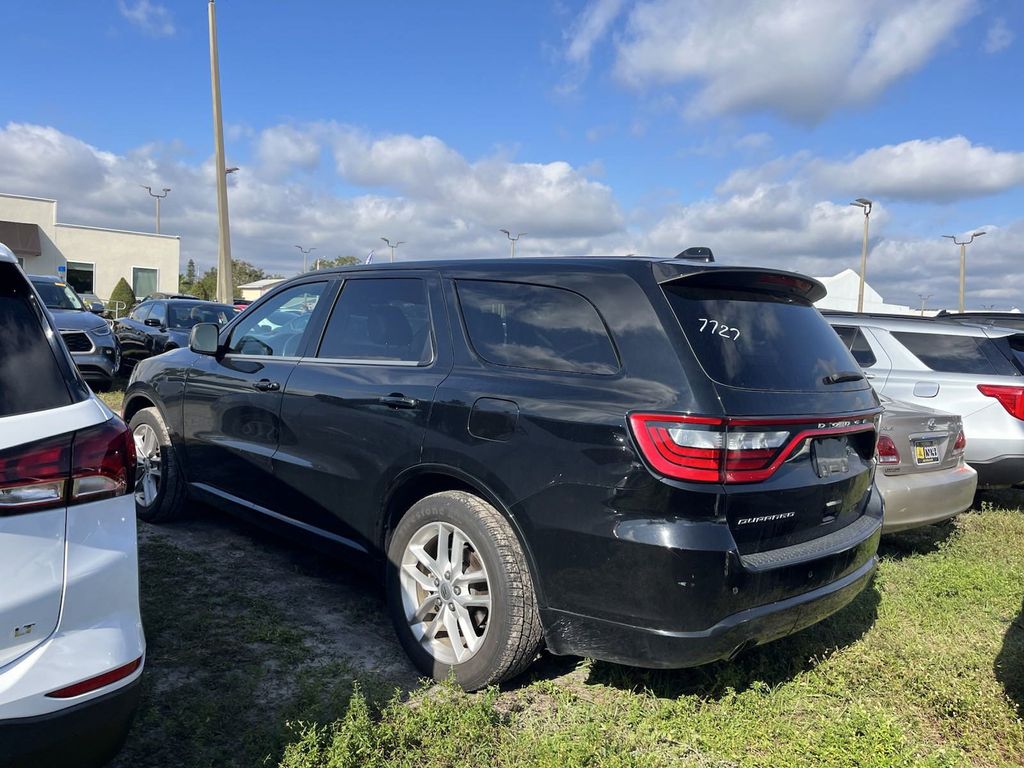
{"type": "Point", "coordinates": [398, 401]}
{"type": "Point", "coordinates": [266, 385]}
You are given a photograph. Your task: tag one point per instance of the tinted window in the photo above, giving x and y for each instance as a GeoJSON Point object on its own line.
{"type": "Point", "coordinates": [380, 320]}
{"type": "Point", "coordinates": [759, 340]}
{"type": "Point", "coordinates": [957, 354]}
{"type": "Point", "coordinates": [277, 328]}
{"type": "Point", "coordinates": [533, 326]}
{"type": "Point", "coordinates": [159, 312]}
{"type": "Point", "coordinates": [856, 342]}
{"type": "Point", "coordinates": [185, 315]}
{"type": "Point", "coordinates": [141, 312]}
{"type": "Point", "coordinates": [30, 378]}
{"type": "Point", "coordinates": [58, 295]}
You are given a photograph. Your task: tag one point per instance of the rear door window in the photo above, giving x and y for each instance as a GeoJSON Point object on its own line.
{"type": "Point", "coordinates": [758, 340]}
{"type": "Point", "coordinates": [855, 341]}
{"type": "Point", "coordinates": [957, 354]}
{"type": "Point", "coordinates": [380, 321]}
{"type": "Point", "coordinates": [30, 378]}
{"type": "Point", "coordinates": [535, 326]}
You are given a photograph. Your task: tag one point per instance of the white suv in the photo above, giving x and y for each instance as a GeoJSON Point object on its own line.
{"type": "Point", "coordinates": [972, 370]}
{"type": "Point", "coordinates": [71, 641]}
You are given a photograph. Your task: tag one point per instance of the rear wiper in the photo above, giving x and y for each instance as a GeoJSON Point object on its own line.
{"type": "Point", "coordinates": [843, 376]}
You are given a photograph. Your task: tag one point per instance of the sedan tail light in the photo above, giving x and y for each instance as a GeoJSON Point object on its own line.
{"type": "Point", "coordinates": [960, 443]}
{"type": "Point", "coordinates": [886, 452]}
{"type": "Point", "coordinates": [716, 450]}
{"type": "Point", "coordinates": [87, 465]}
{"type": "Point", "coordinates": [1011, 398]}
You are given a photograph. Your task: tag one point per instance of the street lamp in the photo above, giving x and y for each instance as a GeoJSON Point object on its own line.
{"type": "Point", "coordinates": [158, 199]}
{"type": "Point", "coordinates": [392, 246]}
{"type": "Point", "coordinates": [865, 204]}
{"type": "Point", "coordinates": [963, 261]}
{"type": "Point", "coordinates": [225, 280]}
{"type": "Point", "coordinates": [305, 253]}
{"type": "Point", "coordinates": [924, 300]}
{"type": "Point", "coordinates": [512, 239]}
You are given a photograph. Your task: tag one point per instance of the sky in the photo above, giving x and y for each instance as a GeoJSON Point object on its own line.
{"type": "Point", "coordinates": [594, 127]}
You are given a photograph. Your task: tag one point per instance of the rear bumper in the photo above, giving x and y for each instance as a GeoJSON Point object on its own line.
{"type": "Point", "coordinates": [85, 735]}
{"type": "Point", "coordinates": [1000, 473]}
{"type": "Point", "coordinates": [923, 498]}
{"type": "Point", "coordinates": [660, 649]}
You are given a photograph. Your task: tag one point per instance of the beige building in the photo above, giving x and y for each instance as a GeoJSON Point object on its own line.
{"type": "Point", "coordinates": [254, 290]}
{"type": "Point", "coordinates": [92, 259]}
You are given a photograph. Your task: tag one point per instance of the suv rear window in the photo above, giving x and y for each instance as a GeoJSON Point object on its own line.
{"type": "Point", "coordinates": [535, 326]}
{"type": "Point", "coordinates": [758, 340]}
{"type": "Point", "coordinates": [957, 354]}
{"type": "Point", "coordinates": [30, 378]}
{"type": "Point", "coordinates": [854, 340]}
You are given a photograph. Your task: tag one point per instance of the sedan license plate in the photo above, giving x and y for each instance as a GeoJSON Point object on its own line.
{"type": "Point", "coordinates": [926, 453]}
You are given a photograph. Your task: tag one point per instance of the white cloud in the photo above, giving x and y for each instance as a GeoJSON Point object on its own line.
{"type": "Point", "coordinates": [930, 169]}
{"type": "Point", "coordinates": [801, 58]}
{"type": "Point", "coordinates": [152, 18]}
{"type": "Point", "coordinates": [282, 148]}
{"type": "Point", "coordinates": [999, 37]}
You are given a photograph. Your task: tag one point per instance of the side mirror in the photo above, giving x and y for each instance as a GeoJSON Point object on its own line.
{"type": "Point", "coordinates": [96, 307]}
{"type": "Point", "coordinates": [205, 338]}
{"type": "Point", "coordinates": [153, 322]}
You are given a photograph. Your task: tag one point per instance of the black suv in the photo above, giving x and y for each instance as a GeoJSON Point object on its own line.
{"type": "Point", "coordinates": [652, 462]}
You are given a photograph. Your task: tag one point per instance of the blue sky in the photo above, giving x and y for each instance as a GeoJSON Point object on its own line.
{"type": "Point", "coordinates": [608, 126]}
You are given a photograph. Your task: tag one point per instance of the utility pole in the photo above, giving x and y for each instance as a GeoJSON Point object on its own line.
{"type": "Point", "coordinates": [963, 261]}
{"type": "Point", "coordinates": [225, 284]}
{"type": "Point", "coordinates": [924, 299]}
{"type": "Point", "coordinates": [865, 204]}
{"type": "Point", "coordinates": [165, 190]}
{"type": "Point", "coordinates": [305, 253]}
{"type": "Point", "coordinates": [512, 239]}
{"type": "Point", "coordinates": [392, 246]}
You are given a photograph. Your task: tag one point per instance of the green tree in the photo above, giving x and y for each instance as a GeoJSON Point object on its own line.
{"type": "Point", "coordinates": [121, 298]}
{"type": "Point", "coordinates": [188, 280]}
{"type": "Point", "coordinates": [341, 261]}
{"type": "Point", "coordinates": [242, 272]}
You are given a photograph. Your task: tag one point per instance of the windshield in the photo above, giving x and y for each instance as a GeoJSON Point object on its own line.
{"type": "Point", "coordinates": [182, 315]}
{"type": "Point", "coordinates": [58, 295]}
{"type": "Point", "coordinates": [757, 340]}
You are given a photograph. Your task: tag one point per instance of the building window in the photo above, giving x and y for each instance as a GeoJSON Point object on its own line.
{"type": "Point", "coordinates": [80, 276]}
{"type": "Point", "coordinates": [143, 281]}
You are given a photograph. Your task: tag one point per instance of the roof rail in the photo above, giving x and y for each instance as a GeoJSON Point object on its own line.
{"type": "Point", "coordinates": [697, 253]}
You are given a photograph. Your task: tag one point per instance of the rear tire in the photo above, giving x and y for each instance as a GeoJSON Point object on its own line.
{"type": "Point", "coordinates": [460, 593]}
{"type": "Point", "coordinates": [159, 488]}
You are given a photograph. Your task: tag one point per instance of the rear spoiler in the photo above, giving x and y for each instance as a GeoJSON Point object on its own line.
{"type": "Point", "coordinates": [775, 281]}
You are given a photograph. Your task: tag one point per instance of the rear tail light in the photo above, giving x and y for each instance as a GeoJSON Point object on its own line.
{"type": "Point", "coordinates": [715, 450]}
{"type": "Point", "coordinates": [87, 465]}
{"type": "Point", "coordinates": [960, 443]}
{"type": "Point", "coordinates": [885, 451]}
{"type": "Point", "coordinates": [97, 682]}
{"type": "Point", "coordinates": [1011, 398]}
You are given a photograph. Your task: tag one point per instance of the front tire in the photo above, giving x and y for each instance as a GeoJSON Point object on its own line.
{"type": "Point", "coordinates": [460, 592]}
{"type": "Point", "coordinates": [159, 486]}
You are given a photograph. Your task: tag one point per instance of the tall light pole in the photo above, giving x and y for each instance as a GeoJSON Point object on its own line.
{"type": "Point", "coordinates": [165, 190]}
{"type": "Point", "coordinates": [865, 204]}
{"type": "Point", "coordinates": [963, 261]}
{"type": "Point", "coordinates": [924, 300]}
{"type": "Point", "coordinates": [512, 239]}
{"type": "Point", "coordinates": [392, 246]}
{"type": "Point", "coordinates": [225, 284]}
{"type": "Point", "coordinates": [305, 253]}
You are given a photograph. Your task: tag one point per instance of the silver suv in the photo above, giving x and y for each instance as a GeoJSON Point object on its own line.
{"type": "Point", "coordinates": [972, 370]}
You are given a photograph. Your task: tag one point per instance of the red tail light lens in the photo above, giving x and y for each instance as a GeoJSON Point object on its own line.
{"type": "Point", "coordinates": [95, 683]}
{"type": "Point", "coordinates": [960, 443]}
{"type": "Point", "coordinates": [885, 451]}
{"type": "Point", "coordinates": [91, 464]}
{"type": "Point", "coordinates": [714, 450]}
{"type": "Point", "coordinates": [1011, 398]}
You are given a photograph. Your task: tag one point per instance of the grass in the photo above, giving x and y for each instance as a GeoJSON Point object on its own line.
{"type": "Point", "coordinates": [925, 668]}
{"type": "Point", "coordinates": [114, 396]}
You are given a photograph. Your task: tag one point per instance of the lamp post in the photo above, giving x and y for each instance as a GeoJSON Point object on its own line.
{"type": "Point", "coordinates": [165, 190]}
{"type": "Point", "coordinates": [924, 299]}
{"type": "Point", "coordinates": [392, 246]}
{"type": "Point", "coordinates": [225, 283]}
{"type": "Point", "coordinates": [512, 239]}
{"type": "Point", "coordinates": [305, 253]}
{"type": "Point", "coordinates": [963, 261]}
{"type": "Point", "coordinates": [865, 205]}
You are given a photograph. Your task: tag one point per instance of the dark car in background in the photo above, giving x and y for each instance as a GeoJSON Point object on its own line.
{"type": "Point", "coordinates": [156, 326]}
{"type": "Point", "coordinates": [648, 461]}
{"type": "Point", "coordinates": [88, 337]}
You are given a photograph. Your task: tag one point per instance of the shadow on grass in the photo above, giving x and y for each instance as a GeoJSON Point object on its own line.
{"type": "Point", "coordinates": [917, 541]}
{"type": "Point", "coordinates": [770, 665]}
{"type": "Point", "coordinates": [1009, 666]}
